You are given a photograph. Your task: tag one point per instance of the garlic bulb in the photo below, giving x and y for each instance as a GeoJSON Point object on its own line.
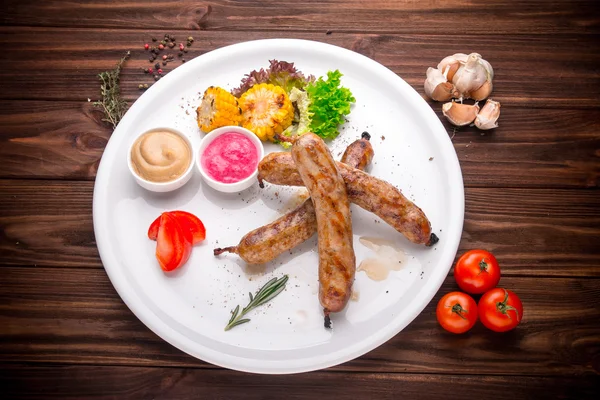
{"type": "Point", "coordinates": [488, 116]}
{"type": "Point", "coordinates": [460, 114]}
{"type": "Point", "coordinates": [437, 86]}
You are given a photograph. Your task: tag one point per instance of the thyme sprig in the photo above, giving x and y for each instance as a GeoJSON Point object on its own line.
{"type": "Point", "coordinates": [264, 295]}
{"type": "Point", "coordinates": [112, 104]}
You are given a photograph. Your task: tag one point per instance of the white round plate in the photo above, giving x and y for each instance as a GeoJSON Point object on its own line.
{"type": "Point", "coordinates": [190, 307]}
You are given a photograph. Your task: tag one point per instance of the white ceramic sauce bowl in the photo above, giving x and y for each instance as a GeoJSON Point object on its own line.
{"type": "Point", "coordinates": [235, 186]}
{"type": "Point", "coordinates": [162, 187]}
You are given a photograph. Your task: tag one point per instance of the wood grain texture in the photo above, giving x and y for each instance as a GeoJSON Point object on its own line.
{"type": "Point", "coordinates": [75, 316]}
{"type": "Point", "coordinates": [95, 382]}
{"type": "Point", "coordinates": [530, 71]}
{"type": "Point", "coordinates": [460, 16]}
{"type": "Point", "coordinates": [550, 148]}
{"type": "Point", "coordinates": [535, 232]}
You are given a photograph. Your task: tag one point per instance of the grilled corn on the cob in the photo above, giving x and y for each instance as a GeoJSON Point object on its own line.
{"type": "Point", "coordinates": [266, 110]}
{"type": "Point", "coordinates": [218, 108]}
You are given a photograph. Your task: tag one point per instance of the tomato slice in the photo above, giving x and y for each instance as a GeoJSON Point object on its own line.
{"type": "Point", "coordinates": [153, 230]}
{"type": "Point", "coordinates": [173, 243]}
{"type": "Point", "coordinates": [187, 221]}
{"type": "Point", "coordinates": [192, 223]}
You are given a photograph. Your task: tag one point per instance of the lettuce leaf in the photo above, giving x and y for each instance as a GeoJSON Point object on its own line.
{"type": "Point", "coordinates": [329, 104]}
{"type": "Point", "coordinates": [279, 73]}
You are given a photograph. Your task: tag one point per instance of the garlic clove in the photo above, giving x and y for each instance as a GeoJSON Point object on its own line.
{"type": "Point", "coordinates": [483, 92]}
{"type": "Point", "coordinates": [460, 114]}
{"type": "Point", "coordinates": [488, 116]}
{"type": "Point", "coordinates": [450, 64]}
{"type": "Point", "coordinates": [437, 87]}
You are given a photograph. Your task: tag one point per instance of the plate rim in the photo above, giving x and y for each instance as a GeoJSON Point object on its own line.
{"type": "Point", "coordinates": [181, 342]}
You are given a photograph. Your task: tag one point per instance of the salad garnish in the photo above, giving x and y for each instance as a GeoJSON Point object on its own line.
{"type": "Point", "coordinates": [279, 100]}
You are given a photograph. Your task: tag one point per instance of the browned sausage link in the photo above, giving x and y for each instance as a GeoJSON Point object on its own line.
{"type": "Point", "coordinates": [366, 191]}
{"type": "Point", "coordinates": [337, 263]}
{"type": "Point", "coordinates": [268, 242]}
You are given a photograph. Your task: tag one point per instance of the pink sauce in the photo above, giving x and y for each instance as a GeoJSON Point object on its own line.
{"type": "Point", "coordinates": [230, 158]}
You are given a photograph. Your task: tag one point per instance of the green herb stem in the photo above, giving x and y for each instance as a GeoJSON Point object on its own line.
{"type": "Point", "coordinates": [112, 104]}
{"type": "Point", "coordinates": [265, 294]}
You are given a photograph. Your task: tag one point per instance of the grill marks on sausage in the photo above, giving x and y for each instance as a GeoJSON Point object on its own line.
{"type": "Point", "coordinates": [337, 262]}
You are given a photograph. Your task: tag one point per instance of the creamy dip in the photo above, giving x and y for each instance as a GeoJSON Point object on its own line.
{"type": "Point", "coordinates": [160, 156]}
{"type": "Point", "coordinates": [230, 158]}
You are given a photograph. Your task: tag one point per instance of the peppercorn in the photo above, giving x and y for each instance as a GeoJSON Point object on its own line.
{"type": "Point", "coordinates": [157, 66]}
{"type": "Point", "coordinates": [171, 45]}
{"type": "Point", "coordinates": [183, 60]}
{"type": "Point", "coordinates": [166, 36]}
{"type": "Point", "coordinates": [149, 70]}
{"type": "Point", "coordinates": [185, 50]}
{"type": "Point", "coordinates": [151, 59]}
{"type": "Point", "coordinates": [163, 42]}
{"type": "Point", "coordinates": [155, 77]}
{"type": "Point", "coordinates": [146, 46]}
{"type": "Point", "coordinates": [160, 71]}
{"type": "Point", "coordinates": [164, 57]}
{"type": "Point", "coordinates": [161, 46]}
{"type": "Point", "coordinates": [189, 44]}
{"type": "Point", "coordinates": [153, 39]}
{"type": "Point", "coordinates": [180, 54]}
{"type": "Point", "coordinates": [181, 46]}
{"type": "Point", "coordinates": [190, 39]}
{"type": "Point", "coordinates": [145, 86]}
{"type": "Point", "coordinates": [140, 86]}
{"type": "Point", "coordinates": [164, 63]}
{"type": "Point", "coordinates": [145, 70]}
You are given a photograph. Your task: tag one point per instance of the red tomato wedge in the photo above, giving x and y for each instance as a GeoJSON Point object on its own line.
{"type": "Point", "coordinates": [173, 243]}
{"type": "Point", "coordinates": [153, 230]}
{"type": "Point", "coordinates": [192, 223]}
{"type": "Point", "coordinates": [187, 221]}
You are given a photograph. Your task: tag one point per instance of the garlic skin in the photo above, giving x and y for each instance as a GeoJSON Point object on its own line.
{"type": "Point", "coordinates": [437, 86]}
{"type": "Point", "coordinates": [488, 116]}
{"type": "Point", "coordinates": [460, 114]}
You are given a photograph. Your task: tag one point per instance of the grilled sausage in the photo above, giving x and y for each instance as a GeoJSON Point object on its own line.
{"type": "Point", "coordinates": [337, 263]}
{"type": "Point", "coordinates": [268, 242]}
{"type": "Point", "coordinates": [370, 193]}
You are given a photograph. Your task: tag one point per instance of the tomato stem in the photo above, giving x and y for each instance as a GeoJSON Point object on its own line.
{"type": "Point", "coordinates": [482, 266]}
{"type": "Point", "coordinates": [458, 309]}
{"type": "Point", "coordinates": [504, 308]}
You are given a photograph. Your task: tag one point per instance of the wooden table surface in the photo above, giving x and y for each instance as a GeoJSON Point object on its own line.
{"type": "Point", "coordinates": [532, 197]}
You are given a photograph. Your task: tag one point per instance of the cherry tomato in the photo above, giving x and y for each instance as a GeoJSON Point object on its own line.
{"type": "Point", "coordinates": [500, 310]}
{"type": "Point", "coordinates": [477, 271]}
{"type": "Point", "coordinates": [456, 312]}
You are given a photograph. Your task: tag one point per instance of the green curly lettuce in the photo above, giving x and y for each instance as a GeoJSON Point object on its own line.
{"type": "Point", "coordinates": [329, 104]}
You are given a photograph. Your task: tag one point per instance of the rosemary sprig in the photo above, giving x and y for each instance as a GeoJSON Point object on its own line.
{"type": "Point", "coordinates": [113, 105]}
{"type": "Point", "coordinates": [264, 295]}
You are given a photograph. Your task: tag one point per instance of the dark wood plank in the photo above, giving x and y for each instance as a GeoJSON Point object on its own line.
{"type": "Point", "coordinates": [51, 139]}
{"type": "Point", "coordinates": [74, 316]}
{"type": "Point", "coordinates": [448, 17]}
{"type": "Point", "coordinates": [533, 232]}
{"type": "Point", "coordinates": [94, 382]}
{"type": "Point", "coordinates": [550, 148]}
{"type": "Point", "coordinates": [531, 71]}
